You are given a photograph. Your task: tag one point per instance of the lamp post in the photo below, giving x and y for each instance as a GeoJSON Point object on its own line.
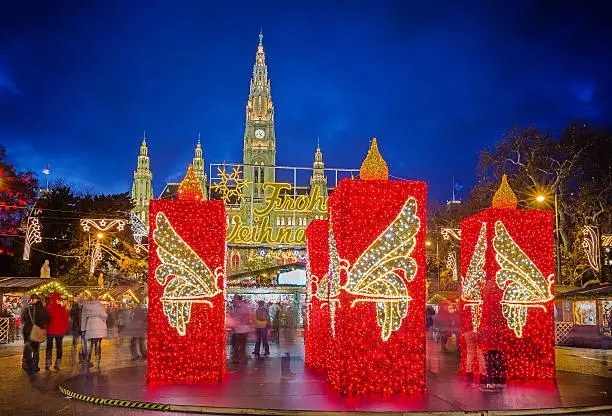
{"type": "Point", "coordinates": [541, 198]}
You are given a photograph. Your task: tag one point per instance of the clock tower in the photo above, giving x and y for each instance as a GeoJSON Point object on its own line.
{"type": "Point", "coordinates": [259, 138]}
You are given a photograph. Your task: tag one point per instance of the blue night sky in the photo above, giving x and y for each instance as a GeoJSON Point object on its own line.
{"type": "Point", "coordinates": [80, 81]}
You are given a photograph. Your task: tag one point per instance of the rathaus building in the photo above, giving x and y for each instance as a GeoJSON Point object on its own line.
{"type": "Point", "coordinates": [268, 207]}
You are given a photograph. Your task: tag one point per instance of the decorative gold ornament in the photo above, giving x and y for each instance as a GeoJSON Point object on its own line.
{"type": "Point", "coordinates": [471, 288]}
{"type": "Point", "coordinates": [523, 284]}
{"type": "Point", "coordinates": [590, 243]}
{"type": "Point", "coordinates": [228, 191]}
{"type": "Point", "coordinates": [192, 281]}
{"type": "Point", "coordinates": [504, 196]}
{"type": "Point", "coordinates": [448, 233]}
{"type": "Point", "coordinates": [374, 276]}
{"type": "Point", "coordinates": [33, 236]}
{"type": "Point", "coordinates": [103, 224]}
{"type": "Point", "coordinates": [374, 166]}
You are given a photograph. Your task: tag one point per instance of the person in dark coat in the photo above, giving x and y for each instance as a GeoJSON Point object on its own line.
{"type": "Point", "coordinates": [35, 313]}
{"type": "Point", "coordinates": [429, 320]}
{"type": "Point", "coordinates": [262, 324]}
{"type": "Point", "coordinates": [57, 328]}
{"type": "Point", "coordinates": [136, 328]}
{"type": "Point", "coordinates": [75, 330]}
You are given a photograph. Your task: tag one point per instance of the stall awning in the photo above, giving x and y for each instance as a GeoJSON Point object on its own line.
{"type": "Point", "coordinates": [20, 284]}
{"type": "Point", "coordinates": [595, 291]}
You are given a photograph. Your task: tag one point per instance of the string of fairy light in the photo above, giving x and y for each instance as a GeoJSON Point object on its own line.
{"type": "Point", "coordinates": [317, 336]}
{"type": "Point", "coordinates": [507, 288]}
{"type": "Point", "coordinates": [187, 259]}
{"type": "Point", "coordinates": [368, 336]}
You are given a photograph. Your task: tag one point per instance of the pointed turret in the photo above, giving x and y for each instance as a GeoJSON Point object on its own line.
{"type": "Point", "coordinates": [198, 168]}
{"type": "Point", "coordinates": [318, 182]}
{"type": "Point", "coordinates": [318, 168]}
{"type": "Point", "coordinates": [144, 151]}
{"type": "Point", "coordinates": [142, 189]}
{"type": "Point", "coordinates": [259, 106]}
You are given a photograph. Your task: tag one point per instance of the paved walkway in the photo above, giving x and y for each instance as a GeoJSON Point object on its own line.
{"type": "Point", "coordinates": [39, 394]}
{"type": "Point", "coordinates": [258, 387]}
{"type": "Point", "coordinates": [584, 360]}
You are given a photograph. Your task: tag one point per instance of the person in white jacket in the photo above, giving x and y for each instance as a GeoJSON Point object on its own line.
{"type": "Point", "coordinates": [93, 323]}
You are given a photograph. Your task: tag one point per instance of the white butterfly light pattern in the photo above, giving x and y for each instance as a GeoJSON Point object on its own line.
{"type": "Point", "coordinates": [192, 282]}
{"type": "Point", "coordinates": [374, 276]}
{"type": "Point", "coordinates": [475, 278]}
{"type": "Point", "coordinates": [523, 284]}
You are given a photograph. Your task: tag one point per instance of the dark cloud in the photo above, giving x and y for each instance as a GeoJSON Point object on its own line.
{"type": "Point", "coordinates": [435, 82]}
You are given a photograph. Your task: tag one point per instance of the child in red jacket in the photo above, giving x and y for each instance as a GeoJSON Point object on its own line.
{"type": "Point", "coordinates": [57, 328]}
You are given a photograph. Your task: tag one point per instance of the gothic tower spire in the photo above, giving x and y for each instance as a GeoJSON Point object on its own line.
{"type": "Point", "coordinates": [142, 190]}
{"type": "Point", "coordinates": [259, 136]}
{"type": "Point", "coordinates": [318, 181]}
{"type": "Point", "coordinates": [198, 168]}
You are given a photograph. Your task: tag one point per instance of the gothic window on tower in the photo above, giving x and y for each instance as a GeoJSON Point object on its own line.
{"type": "Point", "coordinates": [259, 177]}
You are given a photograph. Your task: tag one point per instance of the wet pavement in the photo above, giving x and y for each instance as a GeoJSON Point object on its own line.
{"type": "Point", "coordinates": [584, 360]}
{"type": "Point", "coordinates": [259, 385]}
{"type": "Point", "coordinates": [39, 394]}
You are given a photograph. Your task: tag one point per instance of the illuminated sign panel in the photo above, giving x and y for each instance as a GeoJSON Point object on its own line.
{"type": "Point", "coordinates": [276, 201]}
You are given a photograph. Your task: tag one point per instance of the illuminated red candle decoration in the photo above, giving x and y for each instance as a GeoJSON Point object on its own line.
{"type": "Point", "coordinates": [377, 252]}
{"type": "Point", "coordinates": [507, 275]}
{"type": "Point", "coordinates": [317, 329]}
{"type": "Point", "coordinates": [186, 334]}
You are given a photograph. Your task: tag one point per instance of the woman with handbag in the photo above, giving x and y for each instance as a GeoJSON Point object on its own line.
{"type": "Point", "coordinates": [34, 319]}
{"type": "Point", "coordinates": [93, 323]}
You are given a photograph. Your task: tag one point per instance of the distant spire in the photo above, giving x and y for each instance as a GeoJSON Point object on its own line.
{"type": "Point", "coordinates": [318, 144]}
{"type": "Point", "coordinates": [261, 36]}
{"type": "Point", "coordinates": [144, 138]}
{"type": "Point", "coordinates": [199, 145]}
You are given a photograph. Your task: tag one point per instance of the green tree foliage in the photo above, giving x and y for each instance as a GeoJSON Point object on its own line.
{"type": "Point", "coordinates": [68, 247]}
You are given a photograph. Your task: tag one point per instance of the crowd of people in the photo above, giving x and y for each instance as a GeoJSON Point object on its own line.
{"type": "Point", "coordinates": [48, 319]}
{"type": "Point", "coordinates": [271, 322]}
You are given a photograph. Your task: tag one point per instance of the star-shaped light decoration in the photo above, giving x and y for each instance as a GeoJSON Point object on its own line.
{"type": "Point", "coordinates": [224, 185]}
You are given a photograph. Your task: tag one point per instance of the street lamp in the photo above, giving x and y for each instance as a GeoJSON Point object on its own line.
{"type": "Point", "coordinates": [100, 235]}
{"type": "Point", "coordinates": [541, 198]}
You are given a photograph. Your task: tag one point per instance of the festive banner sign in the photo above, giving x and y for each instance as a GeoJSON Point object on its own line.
{"type": "Point", "coordinates": [507, 275]}
{"type": "Point", "coordinates": [278, 199]}
{"type": "Point", "coordinates": [377, 283]}
{"type": "Point", "coordinates": [186, 334]}
{"type": "Point", "coordinates": [317, 338]}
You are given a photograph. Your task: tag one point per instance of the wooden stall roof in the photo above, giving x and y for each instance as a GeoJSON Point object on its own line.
{"type": "Point", "coordinates": [595, 291]}
{"type": "Point", "coordinates": [116, 292]}
{"type": "Point", "coordinates": [10, 284]}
